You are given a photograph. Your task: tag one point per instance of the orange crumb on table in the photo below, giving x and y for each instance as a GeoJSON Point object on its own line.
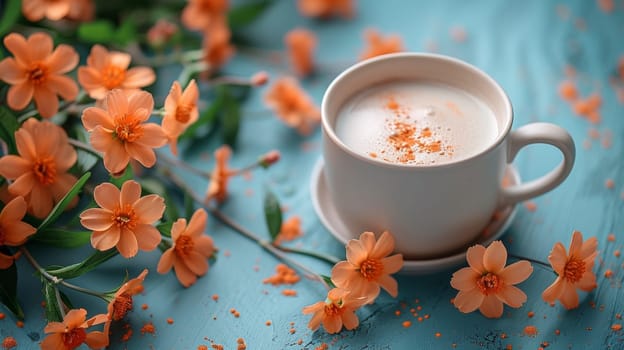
{"type": "Point", "coordinates": [531, 331]}
{"type": "Point", "coordinates": [241, 344]}
{"type": "Point", "coordinates": [426, 316]}
{"type": "Point", "coordinates": [9, 343]}
{"type": "Point", "coordinates": [568, 91]}
{"type": "Point", "coordinates": [292, 331]}
{"type": "Point", "coordinates": [557, 332]}
{"type": "Point", "coordinates": [503, 335]}
{"type": "Point", "coordinates": [283, 275]}
{"type": "Point", "coordinates": [170, 320]}
{"type": "Point", "coordinates": [530, 314]}
{"type": "Point", "coordinates": [290, 230]}
{"type": "Point", "coordinates": [268, 322]}
{"type": "Point", "coordinates": [618, 316]}
{"type": "Point", "coordinates": [458, 34]}
{"type": "Point", "coordinates": [323, 346]}
{"type": "Point", "coordinates": [509, 347]}
{"type": "Point", "coordinates": [19, 324]}
{"type": "Point", "coordinates": [43, 304]}
{"type": "Point", "coordinates": [609, 183]}
{"type": "Point", "coordinates": [202, 347]}
{"type": "Point", "coordinates": [148, 328]}
{"type": "Point", "coordinates": [406, 324]}
{"type": "Point", "coordinates": [593, 133]}
{"type": "Point", "coordinates": [530, 206]}
{"type": "Point", "coordinates": [299, 341]}
{"type": "Point", "coordinates": [616, 327]}
{"type": "Point", "coordinates": [611, 237]}
{"type": "Point", "coordinates": [289, 292]}
{"type": "Point", "coordinates": [418, 307]}
{"type": "Point", "coordinates": [589, 329]}
{"type": "Point", "coordinates": [606, 6]}
{"type": "Point", "coordinates": [608, 273]}
{"type": "Point", "coordinates": [397, 312]}
{"type": "Point", "coordinates": [438, 334]}
{"type": "Point", "coordinates": [420, 319]}
{"type": "Point", "coordinates": [215, 297]}
{"type": "Point", "coordinates": [373, 154]}
{"type": "Point", "coordinates": [217, 346]}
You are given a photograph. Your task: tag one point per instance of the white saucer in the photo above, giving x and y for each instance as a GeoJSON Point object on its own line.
{"type": "Point", "coordinates": [326, 212]}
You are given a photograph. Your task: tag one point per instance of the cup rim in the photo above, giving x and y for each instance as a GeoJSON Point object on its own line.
{"type": "Point", "coordinates": [329, 130]}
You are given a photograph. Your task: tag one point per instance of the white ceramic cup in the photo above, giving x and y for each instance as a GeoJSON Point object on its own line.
{"type": "Point", "coordinates": [431, 210]}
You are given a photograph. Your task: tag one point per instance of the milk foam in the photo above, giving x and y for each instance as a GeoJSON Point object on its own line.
{"type": "Point", "coordinates": [416, 122]}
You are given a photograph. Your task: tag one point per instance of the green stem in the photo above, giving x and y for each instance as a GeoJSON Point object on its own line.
{"type": "Point", "coordinates": [324, 257]}
{"type": "Point", "coordinates": [266, 245]}
{"type": "Point", "coordinates": [540, 263]}
{"type": "Point", "coordinates": [64, 105]}
{"type": "Point", "coordinates": [183, 165]}
{"type": "Point", "coordinates": [85, 147]}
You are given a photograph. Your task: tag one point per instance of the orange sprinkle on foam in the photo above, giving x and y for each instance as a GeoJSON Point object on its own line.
{"type": "Point", "coordinates": [608, 273]}
{"type": "Point", "coordinates": [406, 324]}
{"type": "Point", "coordinates": [283, 275]}
{"type": "Point", "coordinates": [616, 327]}
{"type": "Point", "coordinates": [19, 324]}
{"type": "Point", "coordinates": [531, 331]}
{"type": "Point", "coordinates": [568, 91]}
{"type": "Point", "coordinates": [9, 343]}
{"type": "Point", "coordinates": [170, 320]}
{"type": "Point", "coordinates": [609, 183]}
{"type": "Point", "coordinates": [148, 328]}
{"type": "Point", "coordinates": [289, 292]}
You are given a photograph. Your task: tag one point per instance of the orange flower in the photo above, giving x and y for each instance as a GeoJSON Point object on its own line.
{"type": "Point", "coordinates": [368, 266]}
{"type": "Point", "coordinates": [216, 44]}
{"type": "Point", "coordinates": [180, 112]}
{"type": "Point", "coordinates": [300, 44]}
{"type": "Point", "coordinates": [377, 45]}
{"type": "Point", "coordinates": [121, 302]}
{"type": "Point", "coordinates": [487, 284]}
{"type": "Point", "coordinates": [106, 71]}
{"type": "Point", "coordinates": [220, 175]}
{"type": "Point", "coordinates": [36, 71]}
{"type": "Point", "coordinates": [161, 32]}
{"type": "Point", "coordinates": [35, 10]}
{"type": "Point", "coordinates": [293, 105]}
{"type": "Point", "coordinates": [81, 10]}
{"type": "Point", "coordinates": [13, 231]}
{"type": "Point", "coordinates": [337, 310]}
{"type": "Point", "coordinates": [40, 169]}
{"type": "Point", "coordinates": [120, 131]}
{"type": "Point", "coordinates": [190, 250]}
{"type": "Point", "coordinates": [199, 14]}
{"type": "Point", "coordinates": [124, 219]}
{"type": "Point", "coordinates": [574, 270]}
{"type": "Point", "coordinates": [71, 333]}
{"type": "Point", "coordinates": [326, 8]}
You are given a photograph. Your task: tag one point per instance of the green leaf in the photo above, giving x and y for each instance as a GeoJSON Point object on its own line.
{"type": "Point", "coordinates": [272, 214]}
{"type": "Point", "coordinates": [189, 205]}
{"type": "Point", "coordinates": [62, 238]}
{"type": "Point", "coordinates": [11, 15]}
{"type": "Point", "coordinates": [126, 33]}
{"type": "Point", "coordinates": [231, 120]}
{"type": "Point", "coordinates": [244, 14]}
{"type": "Point", "coordinates": [64, 202]}
{"type": "Point", "coordinates": [86, 160]}
{"type": "Point", "coordinates": [79, 269]}
{"type": "Point", "coordinates": [328, 280]}
{"type": "Point", "coordinates": [165, 228]}
{"type": "Point", "coordinates": [8, 289]}
{"type": "Point", "coordinates": [97, 32]}
{"type": "Point", "coordinates": [8, 126]}
{"type": "Point", "coordinates": [118, 181]}
{"type": "Point", "coordinates": [52, 307]}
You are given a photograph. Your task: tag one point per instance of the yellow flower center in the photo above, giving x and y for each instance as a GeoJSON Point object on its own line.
{"type": "Point", "coordinates": [183, 113]}
{"type": "Point", "coordinates": [371, 269]}
{"type": "Point", "coordinates": [38, 74]}
{"type": "Point", "coordinates": [574, 270]}
{"type": "Point", "coordinates": [488, 283]}
{"type": "Point", "coordinates": [128, 128]}
{"type": "Point", "coordinates": [45, 170]}
{"type": "Point", "coordinates": [125, 217]}
{"type": "Point", "coordinates": [121, 306]}
{"type": "Point", "coordinates": [74, 338]}
{"type": "Point", "coordinates": [184, 245]}
{"type": "Point", "coordinates": [113, 76]}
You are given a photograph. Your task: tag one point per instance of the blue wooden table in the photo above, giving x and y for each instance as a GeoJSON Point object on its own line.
{"type": "Point", "coordinates": [528, 47]}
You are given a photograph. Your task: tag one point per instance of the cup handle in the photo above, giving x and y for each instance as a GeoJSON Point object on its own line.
{"type": "Point", "coordinates": [539, 133]}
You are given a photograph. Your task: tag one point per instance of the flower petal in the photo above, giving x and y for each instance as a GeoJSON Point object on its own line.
{"type": "Point", "coordinates": [13, 210]}
{"type": "Point", "coordinates": [588, 247]}
{"type": "Point", "coordinates": [468, 300]}
{"type": "Point", "coordinates": [491, 307]}
{"type": "Point", "coordinates": [11, 72]}
{"type": "Point", "coordinates": [474, 256]}
{"type": "Point", "coordinates": [343, 273]}
{"type": "Point", "coordinates": [166, 261]}
{"type": "Point", "coordinates": [554, 291]}
{"type": "Point", "coordinates": [107, 195]}
{"type": "Point", "coordinates": [148, 237]}
{"type": "Point", "coordinates": [63, 59]}
{"type": "Point", "coordinates": [63, 86]}
{"type": "Point", "coordinates": [128, 246]}
{"type": "Point", "coordinates": [178, 228]}
{"type": "Point", "coordinates": [516, 272]}
{"type": "Point", "coordinates": [17, 45]}
{"type": "Point", "coordinates": [332, 324]}
{"type": "Point", "coordinates": [20, 95]}
{"type": "Point", "coordinates": [153, 136]}
{"type": "Point", "coordinates": [575, 244]}
{"type": "Point", "coordinates": [464, 279]}
{"type": "Point", "coordinates": [40, 200]}
{"type": "Point", "coordinates": [96, 219]}
{"type": "Point", "coordinates": [96, 340]}
{"type": "Point", "coordinates": [569, 297]}
{"type": "Point", "coordinates": [184, 274]}
{"type": "Point", "coordinates": [40, 46]}
{"type": "Point", "coordinates": [46, 102]}
{"type": "Point", "coordinates": [91, 80]}
{"type": "Point", "coordinates": [139, 77]}
{"type": "Point", "coordinates": [141, 153]}
{"type": "Point", "coordinates": [130, 193]}
{"type": "Point", "coordinates": [105, 240]}
{"type": "Point", "coordinates": [196, 263]}
{"type": "Point", "coordinates": [94, 116]}
{"type": "Point", "coordinates": [558, 258]}
{"type": "Point", "coordinates": [149, 209]}
{"type": "Point", "coordinates": [141, 99]}
{"type": "Point", "coordinates": [356, 253]}
{"type": "Point", "coordinates": [495, 257]}
{"type": "Point", "coordinates": [350, 320]}
{"type": "Point", "coordinates": [511, 296]}
{"type": "Point", "coordinates": [205, 245]}
{"type": "Point", "coordinates": [392, 264]}
{"type": "Point", "coordinates": [12, 166]}
{"type": "Point", "coordinates": [117, 102]}
{"type": "Point", "coordinates": [587, 282]}
{"type": "Point", "coordinates": [197, 224]}
{"type": "Point", "coordinates": [23, 185]}
{"type": "Point", "coordinates": [389, 284]}
{"type": "Point", "coordinates": [383, 247]}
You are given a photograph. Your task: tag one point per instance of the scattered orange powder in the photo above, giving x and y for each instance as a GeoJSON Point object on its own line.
{"type": "Point", "coordinates": [568, 90]}
{"type": "Point", "coordinates": [148, 328]}
{"type": "Point", "coordinates": [616, 327]}
{"type": "Point", "coordinates": [438, 334]}
{"type": "Point", "coordinates": [545, 344]}
{"type": "Point", "coordinates": [608, 273]}
{"type": "Point", "coordinates": [530, 206]}
{"type": "Point", "coordinates": [418, 307]}
{"type": "Point", "coordinates": [289, 292]}
{"type": "Point", "coordinates": [202, 347]}
{"type": "Point", "coordinates": [127, 334]}
{"type": "Point", "coordinates": [323, 346]}
{"type": "Point", "coordinates": [170, 320]}
{"type": "Point", "coordinates": [290, 230]}
{"type": "Point", "coordinates": [531, 314]}
{"type": "Point", "coordinates": [455, 108]}
{"type": "Point", "coordinates": [144, 306]}
{"type": "Point", "coordinates": [611, 237]}
{"type": "Point", "coordinates": [19, 324]}
{"type": "Point", "coordinates": [10, 342]}
{"type": "Point", "coordinates": [593, 133]}
{"type": "Point", "coordinates": [609, 183]}
{"type": "Point", "coordinates": [458, 34]}
{"type": "Point", "coordinates": [2, 315]}
{"type": "Point", "coordinates": [283, 275]}
{"type": "Point", "coordinates": [531, 331]}
{"type": "Point", "coordinates": [407, 324]}
{"type": "Point", "coordinates": [215, 297]}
